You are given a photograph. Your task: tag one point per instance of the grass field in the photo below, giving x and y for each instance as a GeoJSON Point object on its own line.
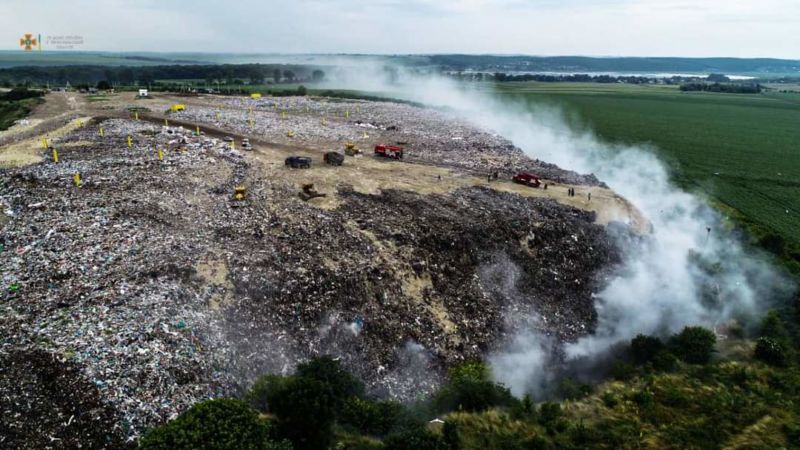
{"type": "Point", "coordinates": [743, 151]}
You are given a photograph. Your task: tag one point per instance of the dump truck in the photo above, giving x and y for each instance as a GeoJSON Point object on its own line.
{"type": "Point", "coordinates": [298, 162]}
{"type": "Point", "coordinates": [334, 158]}
{"type": "Point", "coordinates": [528, 179]}
{"type": "Point", "coordinates": [389, 151]}
{"type": "Point", "coordinates": [246, 144]}
{"type": "Point", "coordinates": [350, 149]}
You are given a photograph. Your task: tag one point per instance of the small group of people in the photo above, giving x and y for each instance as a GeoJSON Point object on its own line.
{"type": "Point", "coordinates": [571, 192]}
{"type": "Point", "coordinates": [492, 176]}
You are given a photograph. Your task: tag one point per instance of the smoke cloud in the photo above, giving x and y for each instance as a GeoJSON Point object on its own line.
{"type": "Point", "coordinates": [688, 271]}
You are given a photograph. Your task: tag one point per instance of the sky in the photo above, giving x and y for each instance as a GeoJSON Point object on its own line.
{"type": "Point", "coordinates": [737, 28]}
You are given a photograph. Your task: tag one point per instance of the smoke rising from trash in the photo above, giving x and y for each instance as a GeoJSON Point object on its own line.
{"type": "Point", "coordinates": [690, 270]}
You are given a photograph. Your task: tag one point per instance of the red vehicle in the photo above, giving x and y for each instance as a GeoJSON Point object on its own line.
{"type": "Point", "coordinates": [389, 151]}
{"type": "Point", "coordinates": [527, 179]}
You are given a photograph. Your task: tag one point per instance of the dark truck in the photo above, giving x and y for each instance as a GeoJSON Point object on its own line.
{"type": "Point", "coordinates": [298, 162]}
{"type": "Point", "coordinates": [334, 158]}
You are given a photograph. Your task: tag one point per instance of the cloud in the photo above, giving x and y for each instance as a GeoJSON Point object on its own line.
{"type": "Point", "coordinates": [604, 27]}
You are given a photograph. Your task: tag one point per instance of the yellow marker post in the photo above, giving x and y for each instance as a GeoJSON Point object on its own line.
{"type": "Point", "coordinates": [136, 115]}
{"type": "Point", "coordinates": [102, 132]}
{"type": "Point", "coordinates": [198, 130]}
{"type": "Point", "coordinates": [76, 179]}
{"type": "Point", "coordinates": [55, 156]}
{"type": "Point", "coordinates": [233, 145]}
{"type": "Point", "coordinates": [290, 134]}
{"type": "Point", "coordinates": [347, 114]}
{"type": "Point", "coordinates": [251, 122]}
{"type": "Point", "coordinates": [160, 154]}
{"type": "Point", "coordinates": [44, 142]}
{"type": "Point", "coordinates": [166, 124]}
{"type": "Point", "coordinates": [130, 141]}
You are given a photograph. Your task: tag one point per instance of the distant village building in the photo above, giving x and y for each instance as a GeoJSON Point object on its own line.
{"type": "Point", "coordinates": [142, 92]}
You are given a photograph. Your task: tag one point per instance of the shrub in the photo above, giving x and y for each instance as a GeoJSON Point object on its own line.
{"type": "Point", "coordinates": [622, 371]}
{"type": "Point", "coordinates": [473, 396]}
{"type": "Point", "coordinates": [694, 345]}
{"type": "Point", "coordinates": [770, 351]}
{"type": "Point", "coordinates": [370, 417]}
{"type": "Point", "coordinates": [664, 361]}
{"type": "Point", "coordinates": [609, 399]}
{"type": "Point", "coordinates": [339, 383]}
{"type": "Point", "coordinates": [212, 425]}
{"type": "Point", "coordinates": [645, 348]}
{"type": "Point", "coordinates": [262, 389]}
{"type": "Point", "coordinates": [524, 409]}
{"type": "Point", "coordinates": [418, 438]}
{"type": "Point", "coordinates": [549, 412]}
{"type": "Point", "coordinates": [450, 435]}
{"type": "Point", "coordinates": [304, 410]}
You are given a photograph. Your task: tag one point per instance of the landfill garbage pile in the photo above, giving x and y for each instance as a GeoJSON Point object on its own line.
{"type": "Point", "coordinates": [47, 404]}
{"type": "Point", "coordinates": [428, 135]}
{"type": "Point", "coordinates": [164, 290]}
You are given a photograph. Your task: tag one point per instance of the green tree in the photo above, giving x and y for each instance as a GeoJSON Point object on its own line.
{"type": "Point", "coordinates": [276, 75]}
{"type": "Point", "coordinates": [450, 435]}
{"type": "Point", "coordinates": [339, 383]}
{"type": "Point", "coordinates": [694, 345]}
{"type": "Point", "coordinates": [224, 424]}
{"type": "Point", "coordinates": [304, 411]}
{"type": "Point", "coordinates": [770, 351]}
{"type": "Point", "coordinates": [645, 348]}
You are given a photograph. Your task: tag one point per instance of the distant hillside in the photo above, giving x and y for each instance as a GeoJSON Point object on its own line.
{"type": "Point", "coordinates": [500, 63]}
{"type": "Point", "coordinates": [622, 64]}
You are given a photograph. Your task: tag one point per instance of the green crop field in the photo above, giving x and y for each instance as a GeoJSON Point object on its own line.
{"type": "Point", "coordinates": [742, 151]}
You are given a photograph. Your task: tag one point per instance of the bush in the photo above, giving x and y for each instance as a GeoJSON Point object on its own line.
{"type": "Point", "coordinates": [418, 438]}
{"type": "Point", "coordinates": [694, 345]}
{"type": "Point", "coordinates": [665, 361]}
{"type": "Point", "coordinates": [472, 396]}
{"type": "Point", "coordinates": [212, 425]}
{"type": "Point", "coordinates": [370, 417]}
{"type": "Point", "coordinates": [571, 390]}
{"type": "Point", "coordinates": [549, 412]}
{"type": "Point", "coordinates": [645, 348]}
{"type": "Point", "coordinates": [770, 351]}
{"type": "Point", "coordinates": [622, 371]}
{"type": "Point", "coordinates": [20, 93]}
{"type": "Point", "coordinates": [304, 410]}
{"type": "Point", "coordinates": [339, 383]}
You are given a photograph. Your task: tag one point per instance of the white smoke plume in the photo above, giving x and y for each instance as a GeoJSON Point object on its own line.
{"type": "Point", "coordinates": [660, 286]}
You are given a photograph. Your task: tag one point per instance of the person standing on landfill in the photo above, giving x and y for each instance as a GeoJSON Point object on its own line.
{"type": "Point", "coordinates": [590, 196]}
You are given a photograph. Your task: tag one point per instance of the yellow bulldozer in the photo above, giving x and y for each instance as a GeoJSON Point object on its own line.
{"type": "Point", "coordinates": [350, 149]}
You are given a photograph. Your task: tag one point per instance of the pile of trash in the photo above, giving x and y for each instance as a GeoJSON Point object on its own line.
{"type": "Point", "coordinates": [163, 290]}
{"type": "Point", "coordinates": [428, 135]}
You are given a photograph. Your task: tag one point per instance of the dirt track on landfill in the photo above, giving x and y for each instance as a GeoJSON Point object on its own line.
{"type": "Point", "coordinates": [364, 174]}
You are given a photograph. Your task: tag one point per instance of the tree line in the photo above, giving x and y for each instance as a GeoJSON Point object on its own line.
{"type": "Point", "coordinates": [223, 73]}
